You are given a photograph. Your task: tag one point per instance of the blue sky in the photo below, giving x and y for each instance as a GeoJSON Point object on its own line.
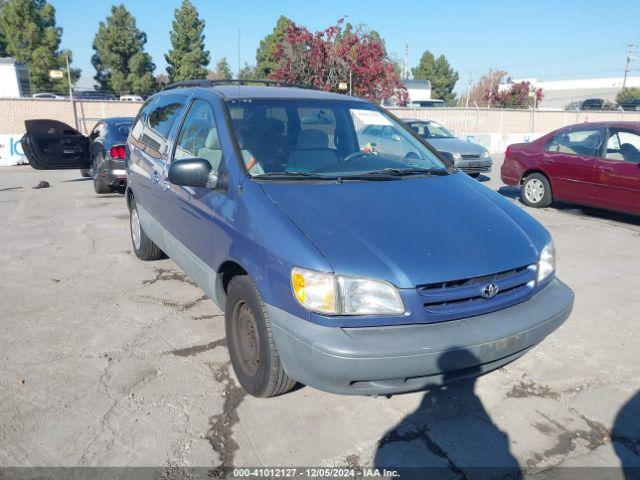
{"type": "Point", "coordinates": [545, 39]}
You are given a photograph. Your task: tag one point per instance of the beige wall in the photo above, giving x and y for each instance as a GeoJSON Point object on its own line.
{"type": "Point", "coordinates": [14, 111]}
{"type": "Point", "coordinates": [506, 121]}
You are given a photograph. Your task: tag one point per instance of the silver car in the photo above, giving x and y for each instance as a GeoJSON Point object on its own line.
{"type": "Point", "coordinates": [471, 158]}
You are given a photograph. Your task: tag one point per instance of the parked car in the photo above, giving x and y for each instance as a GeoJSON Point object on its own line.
{"type": "Point", "coordinates": [631, 105]}
{"type": "Point", "coordinates": [131, 98]}
{"type": "Point", "coordinates": [101, 153]}
{"type": "Point", "coordinates": [469, 157]}
{"type": "Point", "coordinates": [595, 164]}
{"type": "Point", "coordinates": [46, 95]}
{"type": "Point", "coordinates": [351, 270]}
{"type": "Point", "coordinates": [93, 95]}
{"type": "Point", "coordinates": [591, 104]}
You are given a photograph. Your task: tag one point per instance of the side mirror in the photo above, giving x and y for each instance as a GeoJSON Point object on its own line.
{"type": "Point", "coordinates": [192, 172]}
{"type": "Point", "coordinates": [447, 159]}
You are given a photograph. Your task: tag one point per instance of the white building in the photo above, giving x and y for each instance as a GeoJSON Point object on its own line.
{"type": "Point", "coordinates": [14, 78]}
{"type": "Point", "coordinates": [559, 94]}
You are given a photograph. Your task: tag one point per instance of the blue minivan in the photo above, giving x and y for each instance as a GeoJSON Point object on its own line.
{"type": "Point", "coordinates": [337, 265]}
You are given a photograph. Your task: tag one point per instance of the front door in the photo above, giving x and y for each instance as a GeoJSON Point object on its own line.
{"type": "Point", "coordinates": [53, 145]}
{"type": "Point", "coordinates": [618, 172]}
{"type": "Point", "coordinates": [195, 224]}
{"type": "Point", "coordinates": [569, 160]}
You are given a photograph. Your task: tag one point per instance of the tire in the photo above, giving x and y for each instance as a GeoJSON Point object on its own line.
{"type": "Point", "coordinates": [252, 349]}
{"type": "Point", "coordinates": [85, 172]}
{"type": "Point", "coordinates": [474, 175]}
{"type": "Point", "coordinates": [535, 191]}
{"type": "Point", "coordinates": [143, 246]}
{"type": "Point", "coordinates": [99, 184]}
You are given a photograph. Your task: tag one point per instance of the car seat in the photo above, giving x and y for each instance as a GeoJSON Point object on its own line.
{"type": "Point", "coordinates": [312, 152]}
{"type": "Point", "coordinates": [212, 150]}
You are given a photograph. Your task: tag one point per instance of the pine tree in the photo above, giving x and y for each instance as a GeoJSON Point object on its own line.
{"type": "Point", "coordinates": [442, 77]}
{"type": "Point", "coordinates": [28, 32]}
{"type": "Point", "coordinates": [265, 55]}
{"type": "Point", "coordinates": [187, 59]}
{"type": "Point", "coordinates": [121, 64]}
{"type": "Point", "coordinates": [223, 71]}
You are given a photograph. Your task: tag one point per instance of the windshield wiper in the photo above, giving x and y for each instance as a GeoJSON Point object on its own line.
{"type": "Point", "coordinates": [296, 175]}
{"type": "Point", "coordinates": [401, 172]}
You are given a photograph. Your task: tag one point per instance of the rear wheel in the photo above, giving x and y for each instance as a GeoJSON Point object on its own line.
{"type": "Point", "coordinates": [143, 246]}
{"type": "Point", "coordinates": [253, 352]}
{"type": "Point", "coordinates": [99, 182]}
{"type": "Point", "coordinates": [535, 191]}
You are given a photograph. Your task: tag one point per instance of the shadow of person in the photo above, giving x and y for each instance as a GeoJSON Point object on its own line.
{"type": "Point", "coordinates": [450, 435]}
{"type": "Point", "coordinates": [626, 437]}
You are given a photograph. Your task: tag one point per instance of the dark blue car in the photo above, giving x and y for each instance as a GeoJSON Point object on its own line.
{"type": "Point", "coordinates": [53, 144]}
{"type": "Point", "coordinates": [338, 266]}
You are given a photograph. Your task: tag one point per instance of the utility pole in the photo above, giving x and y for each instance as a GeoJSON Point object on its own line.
{"type": "Point", "coordinates": [73, 105]}
{"type": "Point", "coordinates": [469, 88]}
{"type": "Point", "coordinates": [405, 63]}
{"type": "Point", "coordinates": [239, 65]}
{"type": "Point", "coordinates": [490, 86]}
{"type": "Point", "coordinates": [631, 56]}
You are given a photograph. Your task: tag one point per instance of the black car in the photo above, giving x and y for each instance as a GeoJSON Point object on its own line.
{"type": "Point", "coordinates": [106, 150]}
{"type": "Point", "coordinates": [104, 146]}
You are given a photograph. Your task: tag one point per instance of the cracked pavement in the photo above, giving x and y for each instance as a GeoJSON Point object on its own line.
{"type": "Point", "coordinates": [109, 361]}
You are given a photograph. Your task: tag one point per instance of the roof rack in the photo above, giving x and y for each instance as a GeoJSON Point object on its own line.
{"type": "Point", "coordinates": [214, 83]}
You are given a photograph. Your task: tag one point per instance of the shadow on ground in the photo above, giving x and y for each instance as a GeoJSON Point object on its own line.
{"type": "Point", "coordinates": [578, 210]}
{"type": "Point", "coordinates": [626, 437]}
{"type": "Point", "coordinates": [449, 434]}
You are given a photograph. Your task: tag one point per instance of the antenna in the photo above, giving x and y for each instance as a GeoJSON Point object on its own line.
{"type": "Point", "coordinates": [631, 56]}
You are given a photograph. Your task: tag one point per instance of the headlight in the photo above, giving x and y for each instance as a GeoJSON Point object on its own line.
{"type": "Point", "coordinates": [315, 291]}
{"type": "Point", "coordinates": [485, 154]}
{"type": "Point", "coordinates": [547, 262]}
{"type": "Point", "coordinates": [456, 156]}
{"type": "Point", "coordinates": [336, 294]}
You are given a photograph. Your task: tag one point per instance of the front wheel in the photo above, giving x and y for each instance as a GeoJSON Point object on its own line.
{"type": "Point", "coordinates": [253, 351]}
{"type": "Point", "coordinates": [535, 191]}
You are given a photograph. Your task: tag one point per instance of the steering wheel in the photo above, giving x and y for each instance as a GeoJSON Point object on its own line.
{"type": "Point", "coordinates": [357, 154]}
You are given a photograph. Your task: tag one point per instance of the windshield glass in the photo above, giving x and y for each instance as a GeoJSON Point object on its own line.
{"type": "Point", "coordinates": [122, 128]}
{"type": "Point", "coordinates": [324, 138]}
{"type": "Point", "coordinates": [430, 130]}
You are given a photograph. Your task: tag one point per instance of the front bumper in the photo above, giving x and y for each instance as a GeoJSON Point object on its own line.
{"type": "Point", "coordinates": [386, 360]}
{"type": "Point", "coordinates": [475, 165]}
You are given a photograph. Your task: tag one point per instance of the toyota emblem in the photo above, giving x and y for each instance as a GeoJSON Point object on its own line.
{"type": "Point", "coordinates": [490, 290]}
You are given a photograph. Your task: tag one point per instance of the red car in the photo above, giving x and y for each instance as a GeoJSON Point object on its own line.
{"type": "Point", "coordinates": [594, 164]}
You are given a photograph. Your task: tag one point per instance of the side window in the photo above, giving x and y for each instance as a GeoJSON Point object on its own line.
{"type": "Point", "coordinates": [166, 110]}
{"type": "Point", "coordinates": [198, 136]}
{"type": "Point", "coordinates": [623, 145]}
{"type": "Point", "coordinates": [578, 142]}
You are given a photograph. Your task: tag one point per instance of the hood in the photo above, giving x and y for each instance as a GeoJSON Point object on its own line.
{"type": "Point", "coordinates": [456, 145]}
{"type": "Point", "coordinates": [411, 231]}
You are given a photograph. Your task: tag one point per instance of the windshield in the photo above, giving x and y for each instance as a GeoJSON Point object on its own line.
{"type": "Point", "coordinates": [320, 138]}
{"type": "Point", "coordinates": [430, 130]}
{"type": "Point", "coordinates": [122, 128]}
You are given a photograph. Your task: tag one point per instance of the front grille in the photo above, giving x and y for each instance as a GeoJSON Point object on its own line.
{"type": "Point", "coordinates": [463, 298]}
{"type": "Point", "coordinates": [470, 156]}
{"type": "Point", "coordinates": [468, 169]}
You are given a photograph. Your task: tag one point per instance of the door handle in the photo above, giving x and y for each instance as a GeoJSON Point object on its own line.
{"type": "Point", "coordinates": [165, 185]}
{"type": "Point", "coordinates": [154, 177]}
{"type": "Point", "coordinates": [606, 169]}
